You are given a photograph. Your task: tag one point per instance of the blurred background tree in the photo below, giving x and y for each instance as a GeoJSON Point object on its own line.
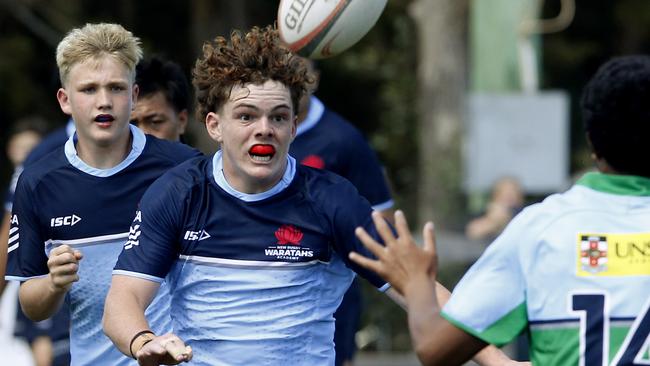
{"type": "Point", "coordinates": [403, 84]}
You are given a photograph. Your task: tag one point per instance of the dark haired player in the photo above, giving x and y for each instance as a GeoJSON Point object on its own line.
{"type": "Point", "coordinates": [572, 271]}
{"type": "Point", "coordinates": [163, 102]}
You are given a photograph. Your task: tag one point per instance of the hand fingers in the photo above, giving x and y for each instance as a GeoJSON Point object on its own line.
{"type": "Point", "coordinates": [64, 263]}
{"type": "Point", "coordinates": [382, 227]}
{"type": "Point", "coordinates": [189, 353]}
{"type": "Point", "coordinates": [371, 264]}
{"type": "Point", "coordinates": [369, 242]}
{"type": "Point", "coordinates": [177, 349]}
{"type": "Point", "coordinates": [64, 256]}
{"type": "Point", "coordinates": [401, 225]}
{"type": "Point", "coordinates": [64, 269]}
{"type": "Point", "coordinates": [167, 349]}
{"type": "Point", "coordinates": [429, 237]}
{"type": "Point", "coordinates": [60, 250]}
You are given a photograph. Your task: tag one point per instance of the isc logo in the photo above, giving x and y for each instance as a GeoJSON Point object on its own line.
{"type": "Point", "coordinates": [65, 220]}
{"type": "Point", "coordinates": [196, 235]}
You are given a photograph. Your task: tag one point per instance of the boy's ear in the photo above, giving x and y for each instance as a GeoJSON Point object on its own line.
{"type": "Point", "coordinates": [183, 118]}
{"type": "Point", "coordinates": [214, 126]}
{"type": "Point", "coordinates": [134, 96]}
{"type": "Point", "coordinates": [64, 101]}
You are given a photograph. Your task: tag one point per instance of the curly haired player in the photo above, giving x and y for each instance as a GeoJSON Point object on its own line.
{"type": "Point", "coordinates": [253, 245]}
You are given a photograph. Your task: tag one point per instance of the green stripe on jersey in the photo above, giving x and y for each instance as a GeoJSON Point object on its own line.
{"type": "Point", "coordinates": [629, 185]}
{"type": "Point", "coordinates": [501, 332]}
{"type": "Point", "coordinates": [560, 346]}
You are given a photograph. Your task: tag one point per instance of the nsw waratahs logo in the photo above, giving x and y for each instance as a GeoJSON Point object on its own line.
{"type": "Point", "coordinates": [593, 253]}
{"type": "Point", "coordinates": [288, 234]}
{"type": "Point", "coordinates": [288, 247]}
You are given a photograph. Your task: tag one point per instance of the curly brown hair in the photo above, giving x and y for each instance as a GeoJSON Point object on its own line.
{"type": "Point", "coordinates": [254, 57]}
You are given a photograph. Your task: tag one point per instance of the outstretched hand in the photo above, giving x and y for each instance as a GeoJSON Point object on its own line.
{"type": "Point", "coordinates": [167, 349]}
{"type": "Point", "coordinates": [400, 262]}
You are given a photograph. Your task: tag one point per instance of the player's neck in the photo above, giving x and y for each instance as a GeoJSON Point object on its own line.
{"type": "Point", "coordinates": [104, 156]}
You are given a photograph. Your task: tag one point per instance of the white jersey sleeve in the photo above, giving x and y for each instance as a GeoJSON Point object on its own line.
{"type": "Point", "coordinates": [490, 300]}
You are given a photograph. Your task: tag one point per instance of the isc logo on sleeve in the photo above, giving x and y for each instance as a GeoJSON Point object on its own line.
{"type": "Point", "coordinates": [196, 235]}
{"type": "Point", "coordinates": [70, 220]}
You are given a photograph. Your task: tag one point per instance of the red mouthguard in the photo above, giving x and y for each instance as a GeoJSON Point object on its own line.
{"type": "Point", "coordinates": [262, 150]}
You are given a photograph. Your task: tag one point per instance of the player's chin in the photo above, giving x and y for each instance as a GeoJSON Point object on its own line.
{"type": "Point", "coordinates": [106, 137]}
{"type": "Point", "coordinates": [265, 174]}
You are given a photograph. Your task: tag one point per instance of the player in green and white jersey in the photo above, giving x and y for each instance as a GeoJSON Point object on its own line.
{"type": "Point", "coordinates": [573, 271]}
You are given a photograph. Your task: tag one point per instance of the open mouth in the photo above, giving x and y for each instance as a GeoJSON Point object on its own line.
{"type": "Point", "coordinates": [104, 118]}
{"type": "Point", "coordinates": [261, 152]}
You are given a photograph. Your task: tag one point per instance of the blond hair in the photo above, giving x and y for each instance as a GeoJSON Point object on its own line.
{"type": "Point", "coordinates": [95, 40]}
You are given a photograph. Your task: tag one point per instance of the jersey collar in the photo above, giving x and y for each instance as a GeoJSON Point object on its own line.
{"type": "Point", "coordinates": [628, 185]}
{"type": "Point", "coordinates": [220, 179]}
{"type": "Point", "coordinates": [316, 110]}
{"type": "Point", "coordinates": [139, 140]}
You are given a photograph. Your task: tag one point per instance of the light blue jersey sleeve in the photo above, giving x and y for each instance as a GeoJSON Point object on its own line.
{"type": "Point", "coordinates": [490, 300]}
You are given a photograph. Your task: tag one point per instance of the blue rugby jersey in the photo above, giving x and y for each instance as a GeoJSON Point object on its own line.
{"type": "Point", "coordinates": [327, 141]}
{"type": "Point", "coordinates": [255, 278]}
{"type": "Point", "coordinates": [61, 200]}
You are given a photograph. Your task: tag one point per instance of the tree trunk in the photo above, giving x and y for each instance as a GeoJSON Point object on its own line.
{"type": "Point", "coordinates": [441, 26]}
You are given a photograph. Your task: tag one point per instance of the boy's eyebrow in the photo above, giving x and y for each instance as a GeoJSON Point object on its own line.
{"type": "Point", "coordinates": [110, 82]}
{"type": "Point", "coordinates": [246, 105]}
{"type": "Point", "coordinates": [252, 106]}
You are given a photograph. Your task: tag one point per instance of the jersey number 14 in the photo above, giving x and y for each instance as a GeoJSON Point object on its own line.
{"type": "Point", "coordinates": [593, 309]}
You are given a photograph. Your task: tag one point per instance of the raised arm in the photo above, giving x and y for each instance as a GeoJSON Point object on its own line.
{"type": "Point", "coordinates": [412, 273]}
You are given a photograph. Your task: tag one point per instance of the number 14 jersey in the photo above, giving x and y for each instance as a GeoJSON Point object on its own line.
{"type": "Point", "coordinates": [574, 270]}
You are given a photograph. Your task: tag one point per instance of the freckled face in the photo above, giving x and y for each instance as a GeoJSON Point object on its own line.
{"type": "Point", "coordinates": [254, 127]}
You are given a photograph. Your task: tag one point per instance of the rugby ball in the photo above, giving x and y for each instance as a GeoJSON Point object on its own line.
{"type": "Point", "coordinates": [324, 28]}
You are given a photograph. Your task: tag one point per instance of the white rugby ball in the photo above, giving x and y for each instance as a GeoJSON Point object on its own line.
{"type": "Point", "coordinates": [324, 28]}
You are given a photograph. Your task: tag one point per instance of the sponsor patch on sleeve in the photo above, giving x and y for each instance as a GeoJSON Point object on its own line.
{"type": "Point", "coordinates": [604, 254]}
